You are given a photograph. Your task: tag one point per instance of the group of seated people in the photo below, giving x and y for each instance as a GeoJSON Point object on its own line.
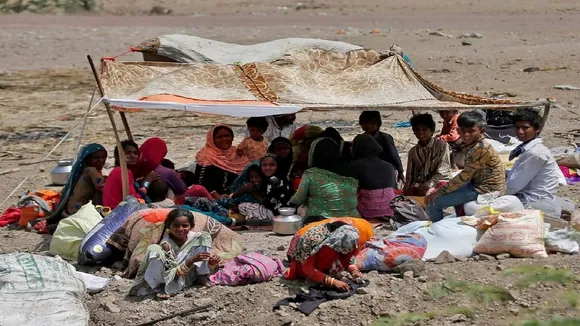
{"type": "Point", "coordinates": [279, 165]}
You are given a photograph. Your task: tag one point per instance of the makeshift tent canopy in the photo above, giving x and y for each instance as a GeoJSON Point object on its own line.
{"type": "Point", "coordinates": [312, 79]}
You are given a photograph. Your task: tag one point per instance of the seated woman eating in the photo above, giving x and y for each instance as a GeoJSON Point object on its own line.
{"type": "Point", "coordinates": [274, 192]}
{"type": "Point", "coordinates": [377, 179]}
{"type": "Point", "coordinates": [324, 187]}
{"type": "Point", "coordinates": [113, 189]}
{"type": "Point", "coordinates": [85, 183]}
{"type": "Point", "coordinates": [535, 176]}
{"type": "Point", "coordinates": [180, 260]}
{"type": "Point", "coordinates": [217, 163]}
{"type": "Point", "coordinates": [325, 249]}
{"type": "Point", "coordinates": [428, 163]}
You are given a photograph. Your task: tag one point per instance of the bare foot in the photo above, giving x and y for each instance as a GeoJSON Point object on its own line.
{"type": "Point", "coordinates": [203, 281]}
{"type": "Point", "coordinates": [163, 296]}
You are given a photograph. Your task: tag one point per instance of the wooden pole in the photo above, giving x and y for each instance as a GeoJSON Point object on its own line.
{"type": "Point", "coordinates": [124, 173]}
{"type": "Point", "coordinates": [181, 313]}
{"type": "Point", "coordinates": [545, 116]}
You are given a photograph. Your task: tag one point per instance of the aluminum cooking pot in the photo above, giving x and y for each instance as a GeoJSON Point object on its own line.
{"type": "Point", "coordinates": [59, 174]}
{"type": "Point", "coordinates": [287, 223]}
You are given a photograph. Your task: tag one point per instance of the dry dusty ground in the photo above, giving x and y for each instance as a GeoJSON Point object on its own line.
{"type": "Point", "coordinates": [45, 86]}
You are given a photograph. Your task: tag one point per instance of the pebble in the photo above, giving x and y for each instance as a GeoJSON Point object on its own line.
{"type": "Point", "coordinates": [461, 258]}
{"type": "Point", "coordinates": [501, 267]}
{"type": "Point", "coordinates": [415, 266]}
{"type": "Point", "coordinates": [525, 304]}
{"type": "Point", "coordinates": [503, 256]}
{"type": "Point", "coordinates": [466, 43]}
{"type": "Point", "coordinates": [458, 318]}
{"type": "Point", "coordinates": [202, 315]}
{"type": "Point", "coordinates": [281, 248]}
{"type": "Point", "coordinates": [408, 275]}
{"type": "Point", "coordinates": [532, 69]}
{"type": "Point", "coordinates": [515, 311]}
{"type": "Point", "coordinates": [550, 267]}
{"type": "Point", "coordinates": [422, 279]}
{"type": "Point", "coordinates": [484, 257]}
{"type": "Point", "coordinates": [444, 258]}
{"type": "Point", "coordinates": [111, 307]}
{"type": "Point", "coordinates": [362, 291]}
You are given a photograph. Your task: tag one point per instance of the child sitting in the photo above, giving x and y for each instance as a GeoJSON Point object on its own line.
{"type": "Point", "coordinates": [255, 146]}
{"type": "Point", "coordinates": [370, 122]}
{"type": "Point", "coordinates": [483, 172]}
{"type": "Point", "coordinates": [450, 134]}
{"type": "Point", "coordinates": [428, 161]}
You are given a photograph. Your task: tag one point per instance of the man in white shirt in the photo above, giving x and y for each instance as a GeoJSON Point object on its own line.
{"type": "Point", "coordinates": [280, 126]}
{"type": "Point", "coordinates": [535, 176]}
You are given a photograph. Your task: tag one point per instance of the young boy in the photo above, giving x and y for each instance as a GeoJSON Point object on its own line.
{"type": "Point", "coordinates": [255, 146]}
{"type": "Point", "coordinates": [483, 172]}
{"type": "Point", "coordinates": [370, 122]}
{"type": "Point", "coordinates": [535, 176]}
{"type": "Point", "coordinates": [450, 134]}
{"type": "Point", "coordinates": [428, 161]}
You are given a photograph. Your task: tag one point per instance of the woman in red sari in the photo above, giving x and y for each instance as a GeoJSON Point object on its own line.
{"type": "Point", "coordinates": [322, 252]}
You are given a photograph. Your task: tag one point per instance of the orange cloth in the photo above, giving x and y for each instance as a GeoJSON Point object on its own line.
{"type": "Point", "coordinates": [253, 150]}
{"type": "Point", "coordinates": [317, 266]}
{"type": "Point", "coordinates": [449, 132]}
{"type": "Point", "coordinates": [227, 160]}
{"type": "Point", "coordinates": [365, 229]}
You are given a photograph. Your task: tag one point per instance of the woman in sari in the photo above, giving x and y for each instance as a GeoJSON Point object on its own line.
{"type": "Point", "coordinates": [324, 187]}
{"type": "Point", "coordinates": [180, 260]}
{"type": "Point", "coordinates": [323, 252]}
{"type": "Point", "coordinates": [274, 192]}
{"type": "Point", "coordinates": [217, 163]}
{"type": "Point", "coordinates": [113, 189]}
{"type": "Point", "coordinates": [85, 183]}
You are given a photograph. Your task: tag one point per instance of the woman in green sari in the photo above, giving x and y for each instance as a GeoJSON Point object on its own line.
{"type": "Point", "coordinates": [325, 186]}
{"type": "Point", "coordinates": [180, 260]}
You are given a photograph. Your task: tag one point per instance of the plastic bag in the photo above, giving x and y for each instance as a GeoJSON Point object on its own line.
{"type": "Point", "coordinates": [39, 290]}
{"type": "Point", "coordinates": [521, 234]}
{"type": "Point", "coordinates": [562, 241]}
{"type": "Point", "coordinates": [488, 205]}
{"type": "Point", "coordinates": [384, 255]}
{"type": "Point", "coordinates": [449, 234]}
{"type": "Point", "coordinates": [94, 247]}
{"type": "Point", "coordinates": [71, 231]}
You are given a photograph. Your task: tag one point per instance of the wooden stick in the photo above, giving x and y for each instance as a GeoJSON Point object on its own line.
{"type": "Point", "coordinates": [3, 172]}
{"type": "Point", "coordinates": [544, 117]}
{"type": "Point", "coordinates": [122, 159]}
{"type": "Point", "coordinates": [177, 314]}
{"type": "Point", "coordinates": [125, 125]}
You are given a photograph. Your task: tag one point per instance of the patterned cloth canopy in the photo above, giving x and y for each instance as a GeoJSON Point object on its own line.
{"type": "Point", "coordinates": [302, 79]}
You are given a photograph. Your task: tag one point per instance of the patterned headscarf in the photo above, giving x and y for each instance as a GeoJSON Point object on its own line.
{"type": "Point", "coordinates": [227, 160]}
{"type": "Point", "coordinates": [74, 177]}
{"type": "Point", "coordinates": [343, 240]}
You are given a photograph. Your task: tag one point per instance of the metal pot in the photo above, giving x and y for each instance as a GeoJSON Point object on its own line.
{"type": "Point", "coordinates": [60, 173]}
{"type": "Point", "coordinates": [287, 223]}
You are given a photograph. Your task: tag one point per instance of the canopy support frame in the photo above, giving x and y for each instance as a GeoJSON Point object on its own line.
{"type": "Point", "coordinates": [121, 151]}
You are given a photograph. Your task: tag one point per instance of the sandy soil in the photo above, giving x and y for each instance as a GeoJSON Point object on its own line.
{"type": "Point", "coordinates": [45, 86]}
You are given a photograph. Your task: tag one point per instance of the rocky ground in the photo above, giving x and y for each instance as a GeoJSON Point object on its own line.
{"type": "Point", "coordinates": [45, 86]}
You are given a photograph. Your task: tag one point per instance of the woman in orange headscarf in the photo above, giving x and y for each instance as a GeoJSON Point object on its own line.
{"type": "Point", "coordinates": [217, 163]}
{"type": "Point", "coordinates": [314, 254]}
